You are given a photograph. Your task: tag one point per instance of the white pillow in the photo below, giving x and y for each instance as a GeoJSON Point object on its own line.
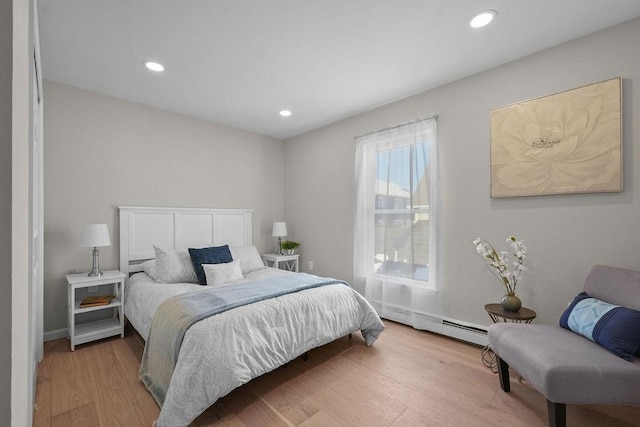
{"type": "Point", "coordinates": [149, 267]}
{"type": "Point", "coordinates": [174, 267]}
{"type": "Point", "coordinates": [219, 274]}
{"type": "Point", "coordinates": [250, 259]}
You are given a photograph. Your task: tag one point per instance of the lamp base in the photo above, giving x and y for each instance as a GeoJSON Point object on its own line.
{"type": "Point", "coordinates": [95, 268]}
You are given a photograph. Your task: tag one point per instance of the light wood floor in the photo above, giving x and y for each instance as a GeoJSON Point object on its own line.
{"type": "Point", "coordinates": [408, 378]}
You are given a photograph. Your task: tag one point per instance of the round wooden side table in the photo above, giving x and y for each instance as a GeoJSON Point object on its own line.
{"type": "Point", "coordinates": [500, 315]}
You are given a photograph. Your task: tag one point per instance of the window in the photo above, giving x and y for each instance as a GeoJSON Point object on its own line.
{"type": "Point", "coordinates": [401, 173]}
{"type": "Point", "coordinates": [397, 240]}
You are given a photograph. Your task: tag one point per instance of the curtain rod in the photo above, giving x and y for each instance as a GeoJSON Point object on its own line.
{"type": "Point", "coordinates": [435, 117]}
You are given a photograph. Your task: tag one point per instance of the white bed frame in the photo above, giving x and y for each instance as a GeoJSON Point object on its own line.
{"type": "Point", "coordinates": [178, 228]}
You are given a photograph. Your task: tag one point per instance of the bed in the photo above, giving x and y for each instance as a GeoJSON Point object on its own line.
{"type": "Point", "coordinates": [219, 353]}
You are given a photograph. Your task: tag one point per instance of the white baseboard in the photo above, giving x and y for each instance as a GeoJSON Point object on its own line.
{"type": "Point", "coordinates": [454, 328]}
{"type": "Point", "coordinates": [54, 335]}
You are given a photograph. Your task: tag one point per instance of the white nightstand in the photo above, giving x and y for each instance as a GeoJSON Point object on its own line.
{"type": "Point", "coordinates": [289, 262]}
{"type": "Point", "coordinates": [111, 282]}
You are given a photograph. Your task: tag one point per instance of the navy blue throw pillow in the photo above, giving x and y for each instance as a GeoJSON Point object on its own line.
{"type": "Point", "coordinates": [212, 255]}
{"type": "Point", "coordinates": [614, 327]}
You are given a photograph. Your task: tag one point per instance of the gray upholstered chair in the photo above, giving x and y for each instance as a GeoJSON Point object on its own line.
{"type": "Point", "coordinates": [566, 367]}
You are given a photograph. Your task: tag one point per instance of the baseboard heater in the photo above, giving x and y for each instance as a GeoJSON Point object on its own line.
{"type": "Point", "coordinates": [469, 333]}
{"type": "Point", "coordinates": [474, 334]}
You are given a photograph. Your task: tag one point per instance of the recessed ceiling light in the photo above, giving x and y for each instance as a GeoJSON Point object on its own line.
{"type": "Point", "coordinates": [483, 18]}
{"type": "Point", "coordinates": [154, 66]}
{"type": "Point", "coordinates": [285, 113]}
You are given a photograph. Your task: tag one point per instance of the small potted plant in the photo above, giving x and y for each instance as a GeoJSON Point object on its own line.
{"type": "Point", "coordinates": [289, 247]}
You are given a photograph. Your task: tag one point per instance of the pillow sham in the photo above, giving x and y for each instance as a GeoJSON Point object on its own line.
{"type": "Point", "coordinates": [149, 267]}
{"type": "Point", "coordinates": [174, 267]}
{"type": "Point", "coordinates": [212, 255]}
{"type": "Point", "coordinates": [614, 327]}
{"type": "Point", "coordinates": [250, 259]}
{"type": "Point", "coordinates": [220, 274]}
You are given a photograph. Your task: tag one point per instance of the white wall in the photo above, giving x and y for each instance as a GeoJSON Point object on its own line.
{"type": "Point", "coordinates": [6, 69]}
{"type": "Point", "coordinates": [22, 353]}
{"type": "Point", "coordinates": [103, 152]}
{"type": "Point", "coordinates": [565, 235]}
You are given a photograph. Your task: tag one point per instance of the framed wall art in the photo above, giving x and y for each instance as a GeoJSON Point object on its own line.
{"type": "Point", "coordinates": [569, 142]}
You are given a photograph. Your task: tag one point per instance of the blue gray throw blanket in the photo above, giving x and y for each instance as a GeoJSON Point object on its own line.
{"type": "Point", "coordinates": [177, 314]}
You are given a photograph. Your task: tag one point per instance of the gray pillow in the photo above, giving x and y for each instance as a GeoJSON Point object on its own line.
{"type": "Point", "coordinates": [250, 259]}
{"type": "Point", "coordinates": [174, 267]}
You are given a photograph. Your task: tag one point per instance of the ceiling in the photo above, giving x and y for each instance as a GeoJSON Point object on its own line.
{"type": "Point", "coordinates": [239, 62]}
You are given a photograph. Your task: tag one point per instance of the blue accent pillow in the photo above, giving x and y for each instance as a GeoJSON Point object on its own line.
{"type": "Point", "coordinates": [614, 327]}
{"type": "Point", "coordinates": [212, 255]}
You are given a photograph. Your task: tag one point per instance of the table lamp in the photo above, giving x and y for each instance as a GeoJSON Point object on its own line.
{"type": "Point", "coordinates": [94, 235]}
{"type": "Point", "coordinates": [279, 231]}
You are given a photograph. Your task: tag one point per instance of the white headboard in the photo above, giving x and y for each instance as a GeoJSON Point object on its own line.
{"type": "Point", "coordinates": [178, 228]}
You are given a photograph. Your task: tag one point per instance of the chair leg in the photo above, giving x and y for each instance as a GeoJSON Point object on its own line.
{"type": "Point", "coordinates": [557, 414]}
{"type": "Point", "coordinates": [503, 373]}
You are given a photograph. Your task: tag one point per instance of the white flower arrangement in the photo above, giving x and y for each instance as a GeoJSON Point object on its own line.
{"type": "Point", "coordinates": [498, 263]}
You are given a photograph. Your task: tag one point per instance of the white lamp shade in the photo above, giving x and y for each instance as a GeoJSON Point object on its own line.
{"type": "Point", "coordinates": [279, 229]}
{"type": "Point", "coordinates": [95, 235]}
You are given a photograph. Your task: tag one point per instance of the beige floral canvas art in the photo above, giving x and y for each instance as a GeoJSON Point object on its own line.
{"type": "Point", "coordinates": [570, 142]}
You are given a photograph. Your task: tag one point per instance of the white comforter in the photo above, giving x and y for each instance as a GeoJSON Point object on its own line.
{"type": "Point", "coordinates": [224, 351]}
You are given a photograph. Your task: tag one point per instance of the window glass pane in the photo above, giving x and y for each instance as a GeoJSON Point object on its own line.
{"type": "Point", "coordinates": [401, 230]}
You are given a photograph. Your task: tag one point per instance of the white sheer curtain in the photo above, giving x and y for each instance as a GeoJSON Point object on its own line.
{"type": "Point", "coordinates": [395, 237]}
